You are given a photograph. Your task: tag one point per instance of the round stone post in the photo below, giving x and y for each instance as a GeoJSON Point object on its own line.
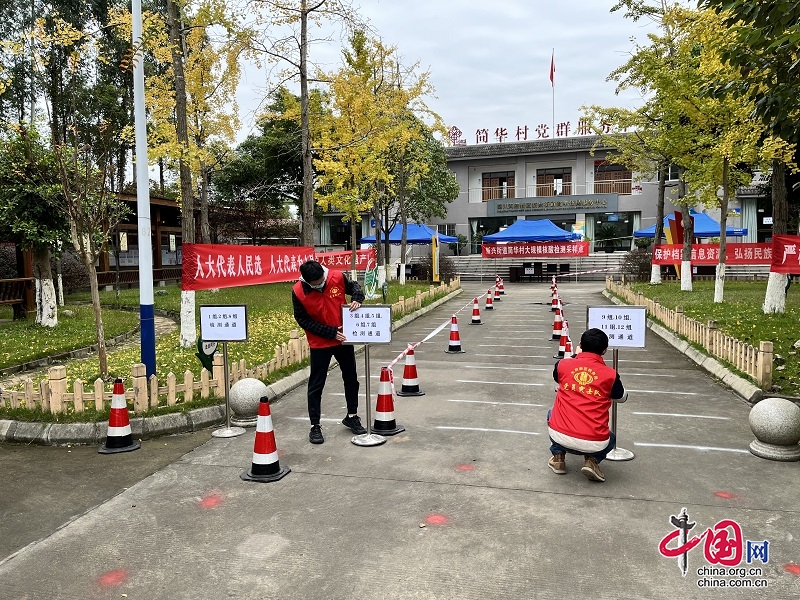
{"type": "Point", "coordinates": [776, 424]}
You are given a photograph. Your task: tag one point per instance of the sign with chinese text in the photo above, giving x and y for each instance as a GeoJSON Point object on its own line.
{"type": "Point", "coordinates": [785, 254]}
{"type": "Point", "coordinates": [535, 250]}
{"type": "Point", "coordinates": [576, 203]}
{"type": "Point", "coordinates": [343, 261]}
{"type": "Point", "coordinates": [207, 266]}
{"type": "Point", "coordinates": [708, 254]}
{"type": "Point", "coordinates": [223, 323]}
{"type": "Point", "coordinates": [370, 324]}
{"type": "Point", "coordinates": [625, 326]}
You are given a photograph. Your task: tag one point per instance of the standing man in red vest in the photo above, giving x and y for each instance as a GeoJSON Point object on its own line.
{"type": "Point", "coordinates": [317, 300]}
{"type": "Point", "coordinates": [578, 421]}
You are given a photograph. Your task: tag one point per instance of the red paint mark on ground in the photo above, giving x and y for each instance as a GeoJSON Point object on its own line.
{"type": "Point", "coordinates": [436, 519]}
{"type": "Point", "coordinates": [281, 452]}
{"type": "Point", "coordinates": [112, 578]}
{"type": "Point", "coordinates": [465, 467]}
{"type": "Point", "coordinates": [795, 569]}
{"type": "Point", "coordinates": [726, 495]}
{"type": "Point", "coordinates": [211, 500]}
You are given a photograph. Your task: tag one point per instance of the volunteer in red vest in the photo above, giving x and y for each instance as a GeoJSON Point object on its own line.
{"type": "Point", "coordinates": [578, 421]}
{"type": "Point", "coordinates": [317, 299]}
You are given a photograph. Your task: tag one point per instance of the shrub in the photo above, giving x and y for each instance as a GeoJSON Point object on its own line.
{"type": "Point", "coordinates": [447, 268]}
{"type": "Point", "coordinates": [636, 265]}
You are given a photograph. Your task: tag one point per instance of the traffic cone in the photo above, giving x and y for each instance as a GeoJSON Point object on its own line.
{"type": "Point", "coordinates": [562, 345]}
{"type": "Point", "coordinates": [502, 288]}
{"type": "Point", "coordinates": [555, 300]}
{"type": "Point", "coordinates": [476, 313]}
{"type": "Point", "coordinates": [410, 385]}
{"type": "Point", "coordinates": [454, 347]}
{"type": "Point", "coordinates": [265, 467]}
{"type": "Point", "coordinates": [489, 301]}
{"type": "Point", "coordinates": [568, 349]}
{"type": "Point", "coordinates": [558, 324]}
{"type": "Point", "coordinates": [384, 423]}
{"type": "Point", "coordinates": [119, 437]}
{"type": "Point", "coordinates": [497, 297]}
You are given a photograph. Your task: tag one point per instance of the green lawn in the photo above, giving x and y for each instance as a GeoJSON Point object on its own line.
{"type": "Point", "coordinates": [741, 316]}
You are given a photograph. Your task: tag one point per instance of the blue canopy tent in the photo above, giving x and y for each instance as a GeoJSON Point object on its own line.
{"type": "Point", "coordinates": [704, 227]}
{"type": "Point", "coordinates": [415, 234]}
{"type": "Point", "coordinates": [543, 230]}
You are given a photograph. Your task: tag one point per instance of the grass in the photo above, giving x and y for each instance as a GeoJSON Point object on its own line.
{"type": "Point", "coordinates": [269, 316]}
{"type": "Point", "coordinates": [741, 316]}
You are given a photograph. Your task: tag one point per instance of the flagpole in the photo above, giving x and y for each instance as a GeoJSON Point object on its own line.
{"type": "Point", "coordinates": [553, 87]}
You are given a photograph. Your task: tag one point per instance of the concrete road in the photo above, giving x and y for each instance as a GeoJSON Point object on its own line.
{"type": "Point", "coordinates": [461, 504]}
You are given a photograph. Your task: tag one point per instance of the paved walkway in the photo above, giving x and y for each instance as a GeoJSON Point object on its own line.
{"type": "Point", "coordinates": [459, 505]}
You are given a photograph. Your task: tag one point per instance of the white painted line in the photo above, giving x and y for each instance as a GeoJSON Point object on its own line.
{"type": "Point", "coordinates": [701, 448]}
{"type": "Point", "coordinates": [632, 374]}
{"type": "Point", "coordinates": [663, 392]}
{"type": "Point", "coordinates": [489, 430]}
{"type": "Point", "coordinates": [503, 345]}
{"type": "Point", "coordinates": [321, 420]}
{"type": "Point", "coordinates": [503, 403]}
{"type": "Point", "coordinates": [508, 368]}
{"type": "Point", "coordinates": [653, 362]}
{"type": "Point", "coordinates": [656, 414]}
{"type": "Point", "coordinates": [506, 337]}
{"type": "Point", "coordinates": [498, 382]}
{"type": "Point", "coordinates": [514, 355]}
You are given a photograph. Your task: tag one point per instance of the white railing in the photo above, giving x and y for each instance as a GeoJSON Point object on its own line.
{"type": "Point", "coordinates": [617, 186]}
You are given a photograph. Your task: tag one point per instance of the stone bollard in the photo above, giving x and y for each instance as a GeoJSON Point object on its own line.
{"type": "Point", "coordinates": [245, 396]}
{"type": "Point", "coordinates": [776, 424]}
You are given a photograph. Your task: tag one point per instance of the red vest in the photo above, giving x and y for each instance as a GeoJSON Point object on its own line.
{"type": "Point", "coordinates": [324, 307]}
{"type": "Point", "coordinates": [583, 397]}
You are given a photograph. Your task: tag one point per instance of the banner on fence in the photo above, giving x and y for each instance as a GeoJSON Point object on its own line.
{"type": "Point", "coordinates": [535, 250]}
{"type": "Point", "coordinates": [343, 261]}
{"type": "Point", "coordinates": [708, 254]}
{"type": "Point", "coordinates": [207, 266]}
{"type": "Point", "coordinates": [785, 254]}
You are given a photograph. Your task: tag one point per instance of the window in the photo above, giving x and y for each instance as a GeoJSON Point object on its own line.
{"type": "Point", "coordinates": [611, 178]}
{"type": "Point", "coordinates": [554, 182]}
{"type": "Point", "coordinates": [447, 228]}
{"type": "Point", "coordinates": [498, 185]}
{"type": "Point", "coordinates": [673, 173]}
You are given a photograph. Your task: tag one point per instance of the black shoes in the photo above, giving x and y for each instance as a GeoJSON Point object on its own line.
{"type": "Point", "coordinates": [354, 424]}
{"type": "Point", "coordinates": [315, 435]}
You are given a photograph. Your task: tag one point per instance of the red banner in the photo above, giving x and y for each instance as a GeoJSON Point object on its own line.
{"type": "Point", "coordinates": [535, 250]}
{"type": "Point", "coordinates": [207, 266]}
{"type": "Point", "coordinates": [708, 254]}
{"type": "Point", "coordinates": [785, 254]}
{"type": "Point", "coordinates": [343, 261]}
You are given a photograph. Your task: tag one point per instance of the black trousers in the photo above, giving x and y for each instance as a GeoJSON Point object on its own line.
{"type": "Point", "coordinates": [320, 362]}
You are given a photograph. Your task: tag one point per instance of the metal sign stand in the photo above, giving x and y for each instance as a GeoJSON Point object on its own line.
{"type": "Point", "coordinates": [227, 431]}
{"type": "Point", "coordinates": [369, 438]}
{"type": "Point", "coordinates": [617, 454]}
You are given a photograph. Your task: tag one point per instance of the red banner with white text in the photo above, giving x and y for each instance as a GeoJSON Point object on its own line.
{"type": "Point", "coordinates": [708, 254]}
{"type": "Point", "coordinates": [207, 266]}
{"type": "Point", "coordinates": [343, 261]}
{"type": "Point", "coordinates": [785, 254]}
{"type": "Point", "coordinates": [535, 250]}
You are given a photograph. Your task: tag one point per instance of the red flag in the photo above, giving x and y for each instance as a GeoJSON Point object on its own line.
{"type": "Point", "coordinates": [553, 68]}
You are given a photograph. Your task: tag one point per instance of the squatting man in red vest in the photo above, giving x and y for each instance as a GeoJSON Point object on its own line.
{"type": "Point", "coordinates": [578, 421]}
{"type": "Point", "coordinates": [317, 299]}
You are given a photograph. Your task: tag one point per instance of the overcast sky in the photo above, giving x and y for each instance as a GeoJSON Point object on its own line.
{"type": "Point", "coordinates": [489, 60]}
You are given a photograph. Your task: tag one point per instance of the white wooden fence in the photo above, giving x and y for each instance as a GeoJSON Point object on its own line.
{"type": "Point", "coordinates": [755, 362]}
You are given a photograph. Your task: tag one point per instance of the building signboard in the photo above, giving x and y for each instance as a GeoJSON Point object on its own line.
{"type": "Point", "coordinates": [585, 203]}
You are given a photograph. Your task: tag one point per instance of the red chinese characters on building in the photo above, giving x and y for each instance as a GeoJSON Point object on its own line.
{"type": "Point", "coordinates": [708, 254]}
{"type": "Point", "coordinates": [535, 250]}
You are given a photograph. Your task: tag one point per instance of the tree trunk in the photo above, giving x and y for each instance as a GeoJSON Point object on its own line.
{"type": "Point", "coordinates": [354, 248]}
{"type": "Point", "coordinates": [205, 229]}
{"type": "Point", "coordinates": [188, 327]}
{"type": "Point", "coordinates": [775, 298]}
{"type": "Point", "coordinates": [719, 282]}
{"type": "Point", "coordinates": [688, 237]}
{"type": "Point", "coordinates": [307, 225]}
{"type": "Point", "coordinates": [655, 271]}
{"type": "Point", "coordinates": [46, 305]}
{"type": "Point", "coordinates": [98, 317]}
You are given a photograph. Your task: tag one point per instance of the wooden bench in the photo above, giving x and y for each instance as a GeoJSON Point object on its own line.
{"type": "Point", "coordinates": [13, 292]}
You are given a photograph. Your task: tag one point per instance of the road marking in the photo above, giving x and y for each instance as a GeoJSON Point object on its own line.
{"type": "Point", "coordinates": [508, 368]}
{"type": "Point", "coordinates": [488, 430]}
{"type": "Point", "coordinates": [514, 355]}
{"type": "Point", "coordinates": [506, 337]}
{"type": "Point", "coordinates": [503, 403]}
{"type": "Point", "coordinates": [321, 420]}
{"type": "Point", "coordinates": [631, 373]}
{"type": "Point", "coordinates": [498, 382]}
{"type": "Point", "coordinates": [662, 392]}
{"type": "Point", "coordinates": [656, 414]}
{"type": "Point", "coordinates": [701, 448]}
{"type": "Point", "coordinates": [502, 345]}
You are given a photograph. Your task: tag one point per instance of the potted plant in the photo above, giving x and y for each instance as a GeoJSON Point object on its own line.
{"type": "Point", "coordinates": [605, 235]}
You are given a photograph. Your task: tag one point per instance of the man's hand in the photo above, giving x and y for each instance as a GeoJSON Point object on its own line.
{"type": "Point", "coordinates": [354, 305]}
{"type": "Point", "coordinates": [340, 335]}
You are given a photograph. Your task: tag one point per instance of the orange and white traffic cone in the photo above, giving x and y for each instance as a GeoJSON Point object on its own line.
{"type": "Point", "coordinates": [568, 349]}
{"type": "Point", "coordinates": [119, 437]}
{"type": "Point", "coordinates": [454, 347]}
{"type": "Point", "coordinates": [502, 288]}
{"type": "Point", "coordinates": [562, 345]}
{"type": "Point", "coordinates": [476, 313]}
{"type": "Point", "coordinates": [497, 297]}
{"type": "Point", "coordinates": [410, 385]}
{"type": "Point", "coordinates": [265, 467]}
{"type": "Point", "coordinates": [554, 302]}
{"type": "Point", "coordinates": [489, 301]}
{"type": "Point", "coordinates": [384, 423]}
{"type": "Point", "coordinates": [558, 323]}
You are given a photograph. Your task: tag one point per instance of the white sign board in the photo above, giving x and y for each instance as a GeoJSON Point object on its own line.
{"type": "Point", "coordinates": [370, 324]}
{"type": "Point", "coordinates": [625, 326]}
{"type": "Point", "coordinates": [223, 323]}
